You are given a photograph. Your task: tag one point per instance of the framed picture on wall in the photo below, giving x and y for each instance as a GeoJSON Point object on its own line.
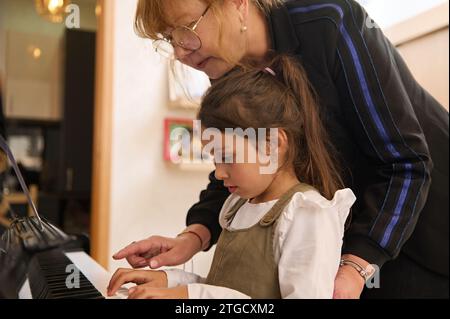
{"type": "Point", "coordinates": [179, 141]}
{"type": "Point", "coordinates": [186, 86]}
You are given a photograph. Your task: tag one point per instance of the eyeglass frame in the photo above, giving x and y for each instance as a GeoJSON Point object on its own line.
{"type": "Point", "coordinates": [192, 29]}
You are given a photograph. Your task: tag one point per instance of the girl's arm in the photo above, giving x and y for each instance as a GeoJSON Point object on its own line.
{"type": "Point", "coordinates": [196, 287]}
{"type": "Point", "coordinates": [203, 291]}
{"type": "Point", "coordinates": [178, 277]}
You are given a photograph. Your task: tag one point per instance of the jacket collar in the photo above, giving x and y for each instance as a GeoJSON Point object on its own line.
{"type": "Point", "coordinates": [282, 32]}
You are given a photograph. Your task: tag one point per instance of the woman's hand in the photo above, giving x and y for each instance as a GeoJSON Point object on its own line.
{"type": "Point", "coordinates": [158, 251]}
{"type": "Point", "coordinates": [151, 278]}
{"type": "Point", "coordinates": [348, 283]}
{"type": "Point", "coordinates": [148, 292]}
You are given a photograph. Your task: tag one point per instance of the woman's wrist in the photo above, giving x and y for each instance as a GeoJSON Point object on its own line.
{"type": "Point", "coordinates": [357, 265]}
{"type": "Point", "coordinates": [191, 234]}
{"type": "Point", "coordinates": [358, 260]}
{"type": "Point", "coordinates": [199, 231]}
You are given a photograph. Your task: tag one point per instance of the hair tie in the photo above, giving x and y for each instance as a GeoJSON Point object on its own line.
{"type": "Point", "coordinates": [269, 70]}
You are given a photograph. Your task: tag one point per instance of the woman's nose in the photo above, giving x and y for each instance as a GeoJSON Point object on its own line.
{"type": "Point", "coordinates": [220, 172]}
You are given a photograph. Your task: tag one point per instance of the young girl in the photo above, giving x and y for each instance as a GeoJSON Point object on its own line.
{"type": "Point", "coordinates": [282, 231]}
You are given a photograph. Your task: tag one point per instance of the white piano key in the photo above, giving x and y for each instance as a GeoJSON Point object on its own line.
{"type": "Point", "coordinates": [96, 274]}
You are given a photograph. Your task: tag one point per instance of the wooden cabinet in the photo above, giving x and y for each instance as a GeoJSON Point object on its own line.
{"type": "Point", "coordinates": [77, 126]}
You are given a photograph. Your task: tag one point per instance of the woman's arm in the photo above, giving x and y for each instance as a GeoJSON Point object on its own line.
{"type": "Point", "coordinates": [383, 121]}
{"type": "Point", "coordinates": [206, 211]}
{"type": "Point", "coordinates": [202, 232]}
{"type": "Point", "coordinates": [378, 101]}
{"type": "Point", "coordinates": [378, 112]}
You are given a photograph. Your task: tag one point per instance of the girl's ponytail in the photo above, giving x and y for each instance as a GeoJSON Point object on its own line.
{"type": "Point", "coordinates": [316, 166]}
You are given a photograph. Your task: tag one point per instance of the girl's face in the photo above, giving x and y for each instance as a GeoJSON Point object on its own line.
{"type": "Point", "coordinates": [243, 175]}
{"type": "Point", "coordinates": [216, 43]}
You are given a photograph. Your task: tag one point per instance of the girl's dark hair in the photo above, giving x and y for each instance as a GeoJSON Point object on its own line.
{"type": "Point", "coordinates": [253, 98]}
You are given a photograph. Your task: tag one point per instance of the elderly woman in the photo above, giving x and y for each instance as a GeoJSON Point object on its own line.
{"type": "Point", "coordinates": [392, 136]}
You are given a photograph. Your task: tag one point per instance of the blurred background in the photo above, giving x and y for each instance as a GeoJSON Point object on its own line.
{"type": "Point", "coordinates": [85, 102]}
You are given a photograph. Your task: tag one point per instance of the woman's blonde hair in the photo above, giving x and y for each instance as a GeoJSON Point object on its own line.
{"type": "Point", "coordinates": [150, 20]}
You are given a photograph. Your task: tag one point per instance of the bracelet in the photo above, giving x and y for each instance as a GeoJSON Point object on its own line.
{"type": "Point", "coordinates": [366, 273]}
{"type": "Point", "coordinates": [194, 233]}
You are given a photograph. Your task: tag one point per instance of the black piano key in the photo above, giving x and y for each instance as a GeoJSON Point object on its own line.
{"type": "Point", "coordinates": [48, 278]}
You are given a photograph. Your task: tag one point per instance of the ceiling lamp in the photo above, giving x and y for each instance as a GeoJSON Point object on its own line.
{"type": "Point", "coordinates": [52, 10]}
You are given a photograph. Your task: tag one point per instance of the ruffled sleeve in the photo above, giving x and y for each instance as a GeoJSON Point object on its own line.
{"type": "Point", "coordinates": [341, 202]}
{"type": "Point", "coordinates": [308, 242]}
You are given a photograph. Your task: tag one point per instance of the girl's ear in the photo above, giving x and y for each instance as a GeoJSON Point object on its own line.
{"type": "Point", "coordinates": [282, 142]}
{"type": "Point", "coordinates": [279, 143]}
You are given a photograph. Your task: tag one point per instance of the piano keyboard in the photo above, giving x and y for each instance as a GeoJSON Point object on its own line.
{"type": "Point", "coordinates": [95, 274]}
{"type": "Point", "coordinates": [49, 278]}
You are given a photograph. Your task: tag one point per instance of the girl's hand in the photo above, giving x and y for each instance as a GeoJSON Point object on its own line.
{"type": "Point", "coordinates": [152, 278]}
{"type": "Point", "coordinates": [146, 291]}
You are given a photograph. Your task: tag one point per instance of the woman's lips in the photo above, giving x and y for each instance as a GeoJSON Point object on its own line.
{"type": "Point", "coordinates": [202, 64]}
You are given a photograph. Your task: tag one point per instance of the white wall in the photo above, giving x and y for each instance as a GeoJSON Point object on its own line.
{"type": "Point", "coordinates": [389, 12]}
{"type": "Point", "coordinates": [147, 197]}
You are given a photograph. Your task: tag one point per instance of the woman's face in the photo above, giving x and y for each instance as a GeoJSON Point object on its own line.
{"type": "Point", "coordinates": [216, 43]}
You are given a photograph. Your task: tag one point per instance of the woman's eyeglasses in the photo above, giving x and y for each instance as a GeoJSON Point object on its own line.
{"type": "Point", "coordinates": [183, 36]}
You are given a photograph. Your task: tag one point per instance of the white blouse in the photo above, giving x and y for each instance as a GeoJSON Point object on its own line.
{"type": "Point", "coordinates": [307, 245]}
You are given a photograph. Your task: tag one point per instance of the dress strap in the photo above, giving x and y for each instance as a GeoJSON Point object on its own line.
{"type": "Point", "coordinates": [276, 210]}
{"type": "Point", "coordinates": [233, 210]}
